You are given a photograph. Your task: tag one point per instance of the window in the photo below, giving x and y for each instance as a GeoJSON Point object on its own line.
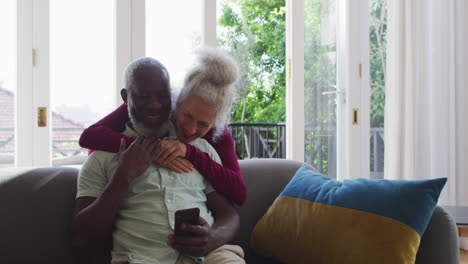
{"type": "Point", "coordinates": [255, 36]}
{"type": "Point", "coordinates": [320, 89]}
{"type": "Point", "coordinates": [378, 47]}
{"type": "Point", "coordinates": [81, 71]}
{"type": "Point", "coordinates": [344, 80]}
{"type": "Point", "coordinates": [78, 77]}
{"type": "Point", "coordinates": [173, 33]}
{"type": "Point", "coordinates": [7, 81]}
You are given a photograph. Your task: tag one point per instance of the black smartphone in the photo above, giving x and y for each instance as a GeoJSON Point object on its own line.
{"type": "Point", "coordinates": [186, 216]}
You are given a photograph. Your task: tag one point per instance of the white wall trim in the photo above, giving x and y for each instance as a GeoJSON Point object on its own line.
{"type": "Point", "coordinates": [341, 164]}
{"type": "Point", "coordinates": [364, 14]}
{"type": "Point", "coordinates": [138, 29]}
{"type": "Point", "coordinates": [123, 43]}
{"type": "Point", "coordinates": [209, 23]}
{"type": "Point", "coordinates": [353, 140]}
{"type": "Point", "coordinates": [24, 106]}
{"type": "Point", "coordinates": [295, 83]}
{"type": "Point", "coordinates": [130, 30]}
{"type": "Point", "coordinates": [42, 136]}
{"type": "Point", "coordinates": [33, 147]}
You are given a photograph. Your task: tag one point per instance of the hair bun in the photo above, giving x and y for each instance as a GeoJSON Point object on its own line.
{"type": "Point", "coordinates": [217, 66]}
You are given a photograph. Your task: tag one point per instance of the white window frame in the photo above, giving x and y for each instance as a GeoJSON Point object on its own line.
{"type": "Point", "coordinates": [209, 23]}
{"type": "Point", "coordinates": [33, 142]}
{"type": "Point", "coordinates": [295, 80]}
{"type": "Point", "coordinates": [130, 23]}
{"type": "Point", "coordinates": [353, 78]}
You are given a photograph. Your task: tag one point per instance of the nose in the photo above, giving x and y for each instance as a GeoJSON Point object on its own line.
{"type": "Point", "coordinates": [190, 128]}
{"type": "Point", "coordinates": [154, 104]}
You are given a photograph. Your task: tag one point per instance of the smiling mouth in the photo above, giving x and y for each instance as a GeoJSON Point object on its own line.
{"type": "Point", "coordinates": [152, 117]}
{"type": "Point", "coordinates": [187, 136]}
{"type": "Point", "coordinates": [184, 138]}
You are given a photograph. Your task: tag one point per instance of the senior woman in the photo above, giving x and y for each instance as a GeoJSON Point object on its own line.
{"type": "Point", "coordinates": [200, 111]}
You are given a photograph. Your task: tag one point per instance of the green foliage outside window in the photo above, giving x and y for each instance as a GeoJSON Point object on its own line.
{"type": "Point", "coordinates": [377, 52]}
{"type": "Point", "coordinates": [254, 33]}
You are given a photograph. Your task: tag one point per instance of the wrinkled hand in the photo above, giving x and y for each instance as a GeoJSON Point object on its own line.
{"type": "Point", "coordinates": [179, 165]}
{"type": "Point", "coordinates": [202, 243]}
{"type": "Point", "coordinates": [171, 149]}
{"type": "Point", "coordinates": [135, 159]}
{"type": "Point", "coordinates": [172, 156]}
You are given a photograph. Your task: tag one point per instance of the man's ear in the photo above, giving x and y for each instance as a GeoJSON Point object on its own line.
{"type": "Point", "coordinates": [124, 94]}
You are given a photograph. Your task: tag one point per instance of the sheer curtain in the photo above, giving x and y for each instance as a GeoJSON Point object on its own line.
{"type": "Point", "coordinates": [426, 116]}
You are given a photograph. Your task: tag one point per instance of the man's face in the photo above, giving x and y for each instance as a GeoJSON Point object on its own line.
{"type": "Point", "coordinates": [149, 100]}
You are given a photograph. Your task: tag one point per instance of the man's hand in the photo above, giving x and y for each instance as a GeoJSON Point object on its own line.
{"type": "Point", "coordinates": [206, 238]}
{"type": "Point", "coordinates": [203, 242]}
{"type": "Point", "coordinates": [135, 159]}
{"type": "Point", "coordinates": [172, 156]}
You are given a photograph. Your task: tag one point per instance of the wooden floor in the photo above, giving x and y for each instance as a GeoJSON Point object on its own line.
{"type": "Point", "coordinates": [463, 256]}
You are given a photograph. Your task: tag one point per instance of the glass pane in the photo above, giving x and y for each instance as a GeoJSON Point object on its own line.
{"type": "Point", "coordinates": [7, 81]}
{"type": "Point", "coordinates": [378, 47]}
{"type": "Point", "coordinates": [173, 32]}
{"type": "Point", "coordinates": [82, 66]}
{"type": "Point", "coordinates": [254, 34]}
{"type": "Point", "coordinates": [320, 27]}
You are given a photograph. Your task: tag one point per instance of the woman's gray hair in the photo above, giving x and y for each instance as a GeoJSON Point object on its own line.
{"type": "Point", "coordinates": [213, 81]}
{"type": "Point", "coordinates": [141, 63]}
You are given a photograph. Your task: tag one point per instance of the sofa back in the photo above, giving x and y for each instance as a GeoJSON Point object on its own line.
{"type": "Point", "coordinates": [265, 179]}
{"type": "Point", "coordinates": [35, 211]}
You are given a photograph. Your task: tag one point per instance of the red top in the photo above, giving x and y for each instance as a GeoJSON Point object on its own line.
{"type": "Point", "coordinates": [105, 135]}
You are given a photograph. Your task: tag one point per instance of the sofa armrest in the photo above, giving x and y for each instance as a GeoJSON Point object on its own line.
{"type": "Point", "coordinates": [439, 243]}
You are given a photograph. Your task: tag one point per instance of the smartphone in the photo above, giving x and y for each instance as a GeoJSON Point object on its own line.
{"type": "Point", "coordinates": [186, 216]}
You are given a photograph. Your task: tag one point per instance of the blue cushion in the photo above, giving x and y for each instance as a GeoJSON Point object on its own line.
{"type": "Point", "coordinates": [319, 220]}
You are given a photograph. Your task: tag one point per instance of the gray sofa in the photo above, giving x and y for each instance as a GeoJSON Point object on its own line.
{"type": "Point", "coordinates": [36, 207]}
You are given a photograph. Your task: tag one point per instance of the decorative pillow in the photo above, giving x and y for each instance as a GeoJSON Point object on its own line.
{"type": "Point", "coordinates": [319, 220]}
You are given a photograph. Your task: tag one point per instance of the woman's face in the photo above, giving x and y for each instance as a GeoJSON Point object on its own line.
{"type": "Point", "coordinates": [194, 118]}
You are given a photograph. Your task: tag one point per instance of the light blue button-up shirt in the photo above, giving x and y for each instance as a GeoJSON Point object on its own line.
{"type": "Point", "coordinates": [146, 215]}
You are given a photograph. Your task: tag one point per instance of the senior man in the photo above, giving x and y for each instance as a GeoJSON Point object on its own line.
{"type": "Point", "coordinates": [127, 195]}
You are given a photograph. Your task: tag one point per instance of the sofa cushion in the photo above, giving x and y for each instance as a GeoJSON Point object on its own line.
{"type": "Point", "coordinates": [319, 220]}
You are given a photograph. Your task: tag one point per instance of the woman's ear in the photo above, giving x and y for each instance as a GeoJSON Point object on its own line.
{"type": "Point", "coordinates": [124, 94]}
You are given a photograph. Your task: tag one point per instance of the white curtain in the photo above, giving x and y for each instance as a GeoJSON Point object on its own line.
{"type": "Point", "coordinates": [426, 114]}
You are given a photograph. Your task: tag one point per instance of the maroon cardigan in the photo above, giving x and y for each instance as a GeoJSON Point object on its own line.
{"type": "Point", "coordinates": [226, 179]}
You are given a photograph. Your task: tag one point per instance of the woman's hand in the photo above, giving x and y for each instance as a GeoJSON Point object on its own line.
{"type": "Point", "coordinates": [172, 156]}
{"type": "Point", "coordinates": [170, 150]}
{"type": "Point", "coordinates": [178, 165]}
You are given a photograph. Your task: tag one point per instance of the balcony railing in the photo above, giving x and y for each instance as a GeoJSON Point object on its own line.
{"type": "Point", "coordinates": [251, 140]}
{"type": "Point", "coordinates": [377, 146]}
{"type": "Point", "coordinates": [259, 140]}
{"type": "Point", "coordinates": [267, 140]}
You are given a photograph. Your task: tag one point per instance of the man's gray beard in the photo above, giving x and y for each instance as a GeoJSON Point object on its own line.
{"type": "Point", "coordinates": [143, 130]}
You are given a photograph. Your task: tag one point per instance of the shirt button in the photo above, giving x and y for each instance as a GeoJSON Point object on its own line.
{"type": "Point", "coordinates": [169, 200]}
